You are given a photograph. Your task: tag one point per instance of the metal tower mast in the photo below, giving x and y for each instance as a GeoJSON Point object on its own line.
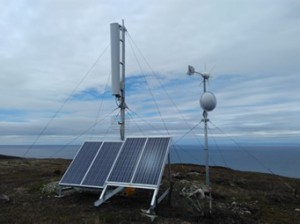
{"type": "Point", "coordinates": [122, 96]}
{"type": "Point", "coordinates": [118, 77]}
{"type": "Point", "coordinates": [208, 103]}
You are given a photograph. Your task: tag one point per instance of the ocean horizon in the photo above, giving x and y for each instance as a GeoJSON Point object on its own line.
{"type": "Point", "coordinates": [279, 160]}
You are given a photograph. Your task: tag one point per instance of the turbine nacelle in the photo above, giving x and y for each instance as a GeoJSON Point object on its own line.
{"type": "Point", "coordinates": [205, 75]}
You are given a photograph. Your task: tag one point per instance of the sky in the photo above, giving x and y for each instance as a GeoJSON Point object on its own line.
{"type": "Point", "coordinates": [55, 70]}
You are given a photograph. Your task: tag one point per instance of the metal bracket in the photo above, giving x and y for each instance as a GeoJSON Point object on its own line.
{"type": "Point", "coordinates": [155, 200]}
{"type": "Point", "coordinates": [60, 191]}
{"type": "Point", "coordinates": [107, 194]}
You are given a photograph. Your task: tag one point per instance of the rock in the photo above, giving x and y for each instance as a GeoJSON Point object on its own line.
{"type": "Point", "coordinates": [194, 173]}
{"type": "Point", "coordinates": [50, 188]}
{"type": "Point", "coordinates": [4, 198]}
{"type": "Point", "coordinates": [247, 212]}
{"type": "Point", "coordinates": [184, 182]}
{"type": "Point", "coordinates": [179, 176]}
{"type": "Point", "coordinates": [192, 191]}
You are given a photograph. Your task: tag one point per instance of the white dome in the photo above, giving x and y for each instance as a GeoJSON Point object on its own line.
{"type": "Point", "coordinates": [208, 101]}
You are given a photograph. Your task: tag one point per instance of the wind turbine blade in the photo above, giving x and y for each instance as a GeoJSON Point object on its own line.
{"type": "Point", "coordinates": [201, 83]}
{"type": "Point", "coordinates": [212, 68]}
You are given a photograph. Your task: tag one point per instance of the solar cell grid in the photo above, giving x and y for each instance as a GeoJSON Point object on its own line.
{"type": "Point", "coordinates": [152, 161]}
{"type": "Point", "coordinates": [81, 163]}
{"type": "Point", "coordinates": [102, 164]}
{"type": "Point", "coordinates": [127, 160]}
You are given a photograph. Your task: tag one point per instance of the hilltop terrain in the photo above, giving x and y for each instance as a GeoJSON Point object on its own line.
{"type": "Point", "coordinates": [238, 197]}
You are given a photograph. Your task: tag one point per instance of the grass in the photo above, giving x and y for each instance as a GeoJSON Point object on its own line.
{"type": "Point", "coordinates": [238, 197]}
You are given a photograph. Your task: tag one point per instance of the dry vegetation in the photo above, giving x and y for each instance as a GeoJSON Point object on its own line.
{"type": "Point", "coordinates": [238, 197]}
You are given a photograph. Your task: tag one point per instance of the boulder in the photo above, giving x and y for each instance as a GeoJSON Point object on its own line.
{"type": "Point", "coordinates": [4, 198]}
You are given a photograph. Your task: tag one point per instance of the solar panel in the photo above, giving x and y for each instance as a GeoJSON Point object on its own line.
{"type": "Point", "coordinates": [80, 164]}
{"type": "Point", "coordinates": [99, 170]}
{"type": "Point", "coordinates": [127, 160]}
{"type": "Point", "coordinates": [150, 166]}
{"type": "Point", "coordinates": [137, 162]}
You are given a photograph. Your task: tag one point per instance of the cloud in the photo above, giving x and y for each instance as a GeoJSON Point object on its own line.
{"type": "Point", "coordinates": [55, 59]}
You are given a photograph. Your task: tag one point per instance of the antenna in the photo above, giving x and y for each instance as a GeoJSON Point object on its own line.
{"type": "Point", "coordinates": [115, 58]}
{"type": "Point", "coordinates": [117, 36]}
{"type": "Point", "coordinates": [208, 102]}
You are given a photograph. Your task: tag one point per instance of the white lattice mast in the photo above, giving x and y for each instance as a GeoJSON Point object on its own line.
{"type": "Point", "coordinates": [208, 102]}
{"type": "Point", "coordinates": [117, 37]}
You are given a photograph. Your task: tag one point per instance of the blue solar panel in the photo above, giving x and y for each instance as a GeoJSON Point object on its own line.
{"type": "Point", "coordinates": [136, 162]}
{"type": "Point", "coordinates": [98, 172]}
{"type": "Point", "coordinates": [151, 164]}
{"type": "Point", "coordinates": [127, 160]}
{"type": "Point", "coordinates": [80, 164]}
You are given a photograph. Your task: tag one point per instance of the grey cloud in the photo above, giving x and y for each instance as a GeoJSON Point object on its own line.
{"type": "Point", "coordinates": [48, 46]}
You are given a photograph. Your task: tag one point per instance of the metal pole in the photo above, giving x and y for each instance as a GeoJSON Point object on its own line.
{"type": "Point", "coordinates": [123, 104]}
{"type": "Point", "coordinates": [206, 149]}
{"type": "Point", "coordinates": [207, 179]}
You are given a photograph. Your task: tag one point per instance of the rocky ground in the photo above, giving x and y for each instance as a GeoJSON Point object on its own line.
{"type": "Point", "coordinates": [28, 195]}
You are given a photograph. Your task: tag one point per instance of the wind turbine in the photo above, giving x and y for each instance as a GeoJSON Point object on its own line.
{"type": "Point", "coordinates": [208, 103]}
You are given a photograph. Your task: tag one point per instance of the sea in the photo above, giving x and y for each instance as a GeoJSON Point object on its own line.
{"type": "Point", "coordinates": [279, 160]}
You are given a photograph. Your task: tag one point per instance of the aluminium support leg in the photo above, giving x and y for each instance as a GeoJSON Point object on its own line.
{"type": "Point", "coordinates": [107, 194]}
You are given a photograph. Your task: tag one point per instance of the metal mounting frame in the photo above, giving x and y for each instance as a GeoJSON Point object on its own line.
{"type": "Point", "coordinates": [112, 189]}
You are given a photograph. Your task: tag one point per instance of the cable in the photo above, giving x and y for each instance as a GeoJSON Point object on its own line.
{"type": "Point", "coordinates": [138, 127]}
{"type": "Point", "coordinates": [157, 78]}
{"type": "Point", "coordinates": [218, 148]}
{"type": "Point", "coordinates": [81, 134]}
{"type": "Point", "coordinates": [110, 127]}
{"type": "Point", "coordinates": [191, 129]}
{"type": "Point", "coordinates": [176, 153]}
{"type": "Point", "coordinates": [251, 155]}
{"type": "Point", "coordinates": [100, 107]}
{"type": "Point", "coordinates": [143, 119]}
{"type": "Point", "coordinates": [192, 157]}
{"type": "Point", "coordinates": [188, 131]}
{"type": "Point", "coordinates": [161, 84]}
{"type": "Point", "coordinates": [63, 104]}
{"type": "Point", "coordinates": [149, 89]}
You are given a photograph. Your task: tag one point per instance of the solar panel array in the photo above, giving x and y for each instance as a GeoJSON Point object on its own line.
{"type": "Point", "coordinates": [136, 162]}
